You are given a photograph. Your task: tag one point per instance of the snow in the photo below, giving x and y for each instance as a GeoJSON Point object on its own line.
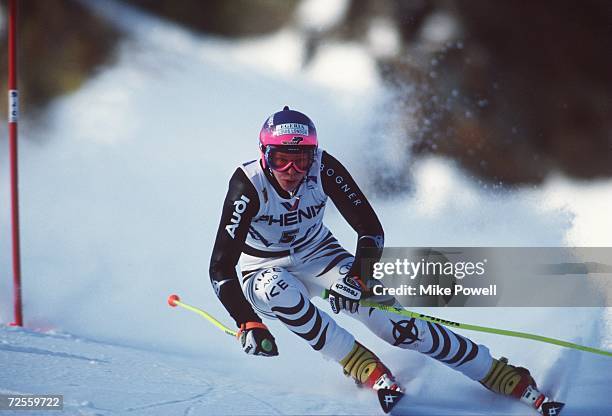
{"type": "Point", "coordinates": [321, 15]}
{"type": "Point", "coordinates": [102, 379]}
{"type": "Point", "coordinates": [121, 188]}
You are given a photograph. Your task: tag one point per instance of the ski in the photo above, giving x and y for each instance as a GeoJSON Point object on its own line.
{"type": "Point", "coordinates": [535, 399]}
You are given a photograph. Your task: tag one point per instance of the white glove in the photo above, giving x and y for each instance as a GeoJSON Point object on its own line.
{"type": "Point", "coordinates": [345, 294]}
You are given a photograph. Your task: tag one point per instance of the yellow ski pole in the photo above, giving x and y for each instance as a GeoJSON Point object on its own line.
{"type": "Point", "coordinates": [175, 300]}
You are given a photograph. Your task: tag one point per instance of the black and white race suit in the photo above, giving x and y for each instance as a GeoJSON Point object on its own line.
{"type": "Point", "coordinates": [287, 256]}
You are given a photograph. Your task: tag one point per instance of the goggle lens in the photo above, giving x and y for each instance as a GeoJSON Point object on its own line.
{"type": "Point", "coordinates": [282, 160]}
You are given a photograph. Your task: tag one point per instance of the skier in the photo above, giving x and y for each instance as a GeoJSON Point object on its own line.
{"type": "Point", "coordinates": [272, 225]}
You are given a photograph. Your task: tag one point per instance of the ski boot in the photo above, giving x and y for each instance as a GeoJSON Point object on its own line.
{"type": "Point", "coordinates": [363, 366]}
{"type": "Point", "coordinates": [517, 382]}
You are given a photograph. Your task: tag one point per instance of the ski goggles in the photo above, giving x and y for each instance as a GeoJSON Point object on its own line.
{"type": "Point", "coordinates": [282, 158]}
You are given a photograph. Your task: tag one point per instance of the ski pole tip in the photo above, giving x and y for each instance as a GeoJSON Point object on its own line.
{"type": "Point", "coordinates": [172, 299]}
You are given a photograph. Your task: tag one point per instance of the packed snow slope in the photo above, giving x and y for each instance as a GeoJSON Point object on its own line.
{"type": "Point", "coordinates": [104, 379]}
{"type": "Point", "coordinates": [121, 189]}
{"type": "Point", "coordinates": [98, 378]}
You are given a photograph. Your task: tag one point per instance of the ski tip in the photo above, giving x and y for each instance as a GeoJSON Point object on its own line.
{"type": "Point", "coordinates": [389, 398]}
{"type": "Point", "coordinates": [552, 408]}
{"type": "Point", "coordinates": [172, 299]}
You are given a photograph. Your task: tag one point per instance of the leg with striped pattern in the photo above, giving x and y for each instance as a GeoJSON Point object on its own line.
{"type": "Point", "coordinates": [434, 340]}
{"type": "Point", "coordinates": [276, 293]}
{"type": "Point", "coordinates": [459, 353]}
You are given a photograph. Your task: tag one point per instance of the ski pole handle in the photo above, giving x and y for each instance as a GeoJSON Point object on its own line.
{"type": "Point", "coordinates": [175, 300]}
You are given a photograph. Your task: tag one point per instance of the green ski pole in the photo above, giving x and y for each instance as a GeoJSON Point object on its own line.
{"type": "Point", "coordinates": [410, 314]}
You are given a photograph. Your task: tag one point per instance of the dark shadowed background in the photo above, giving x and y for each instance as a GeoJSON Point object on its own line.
{"type": "Point", "coordinates": [511, 90]}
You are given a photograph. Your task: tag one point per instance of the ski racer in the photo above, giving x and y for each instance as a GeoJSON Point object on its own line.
{"type": "Point", "coordinates": [272, 225]}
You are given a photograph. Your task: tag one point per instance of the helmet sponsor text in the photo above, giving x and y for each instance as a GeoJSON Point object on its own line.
{"type": "Point", "coordinates": [290, 128]}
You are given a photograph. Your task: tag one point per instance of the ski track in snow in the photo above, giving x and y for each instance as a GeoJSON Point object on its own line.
{"type": "Point", "coordinates": [126, 221]}
{"type": "Point", "coordinates": [124, 380]}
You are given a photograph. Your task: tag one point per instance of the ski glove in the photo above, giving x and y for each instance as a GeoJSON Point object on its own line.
{"type": "Point", "coordinates": [345, 294]}
{"type": "Point", "coordinates": [256, 339]}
